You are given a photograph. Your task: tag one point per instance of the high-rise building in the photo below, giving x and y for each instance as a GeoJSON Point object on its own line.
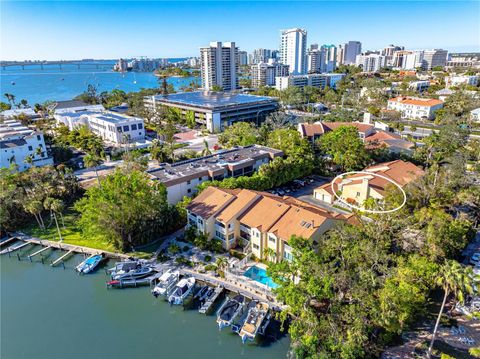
{"type": "Point", "coordinates": [263, 74]}
{"type": "Point", "coordinates": [340, 54]}
{"type": "Point", "coordinates": [242, 58]}
{"type": "Point", "coordinates": [328, 58]}
{"type": "Point", "coordinates": [351, 50]}
{"type": "Point", "coordinates": [314, 61]}
{"type": "Point", "coordinates": [313, 47]}
{"type": "Point", "coordinates": [399, 58]}
{"type": "Point", "coordinates": [261, 55]}
{"type": "Point", "coordinates": [219, 66]}
{"type": "Point", "coordinates": [371, 62]}
{"type": "Point", "coordinates": [413, 60]}
{"type": "Point", "coordinates": [434, 58]}
{"type": "Point", "coordinates": [293, 50]}
{"type": "Point", "coordinates": [390, 50]}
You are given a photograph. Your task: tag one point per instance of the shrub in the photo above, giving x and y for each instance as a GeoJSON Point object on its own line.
{"type": "Point", "coordinates": [210, 267]}
{"type": "Point", "coordinates": [208, 258]}
{"type": "Point", "coordinates": [174, 249]}
{"type": "Point", "coordinates": [185, 248]}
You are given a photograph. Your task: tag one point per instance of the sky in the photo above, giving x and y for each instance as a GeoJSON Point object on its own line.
{"type": "Point", "coordinates": [53, 30]}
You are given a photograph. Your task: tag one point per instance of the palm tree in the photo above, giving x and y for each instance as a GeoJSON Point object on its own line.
{"type": "Point", "coordinates": [453, 278]}
{"type": "Point", "coordinates": [23, 103]}
{"type": "Point", "coordinates": [29, 160]}
{"type": "Point", "coordinates": [11, 99]}
{"type": "Point", "coordinates": [221, 263]}
{"type": "Point", "coordinates": [93, 161]}
{"type": "Point", "coordinates": [269, 253]}
{"type": "Point", "coordinates": [38, 151]}
{"type": "Point", "coordinates": [206, 151]}
{"type": "Point", "coordinates": [35, 207]}
{"type": "Point", "coordinates": [55, 206]}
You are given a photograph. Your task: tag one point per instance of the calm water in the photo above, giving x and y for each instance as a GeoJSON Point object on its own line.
{"type": "Point", "coordinates": [50, 313]}
{"type": "Point", "coordinates": [52, 83]}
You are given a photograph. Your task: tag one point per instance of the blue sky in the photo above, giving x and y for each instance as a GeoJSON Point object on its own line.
{"type": "Point", "coordinates": [113, 29]}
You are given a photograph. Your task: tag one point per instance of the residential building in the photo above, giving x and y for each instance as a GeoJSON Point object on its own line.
{"type": "Point", "coordinates": [391, 49]}
{"type": "Point", "coordinates": [371, 62]}
{"type": "Point", "coordinates": [357, 188]}
{"type": "Point", "coordinates": [328, 59]}
{"type": "Point", "coordinates": [193, 62]}
{"type": "Point", "coordinates": [475, 115]}
{"type": "Point", "coordinates": [263, 74]}
{"type": "Point", "coordinates": [60, 107]}
{"type": "Point", "coordinates": [415, 107]}
{"type": "Point", "coordinates": [293, 50]}
{"type": "Point", "coordinates": [314, 61]}
{"type": "Point", "coordinates": [434, 58]}
{"type": "Point", "coordinates": [261, 55]}
{"type": "Point", "coordinates": [219, 66]}
{"type": "Point", "coordinates": [18, 144]}
{"type": "Point", "coordinates": [216, 110]}
{"type": "Point", "coordinates": [112, 127]}
{"type": "Point", "coordinates": [472, 80]}
{"type": "Point", "coordinates": [350, 51]}
{"type": "Point", "coordinates": [24, 112]}
{"type": "Point", "coordinates": [412, 60]}
{"type": "Point", "coordinates": [463, 60]}
{"type": "Point", "coordinates": [258, 221]}
{"type": "Point", "coordinates": [182, 178]}
{"type": "Point", "coordinates": [419, 86]}
{"type": "Point", "coordinates": [399, 59]}
{"type": "Point", "coordinates": [242, 58]}
{"type": "Point", "coordinates": [314, 80]}
{"type": "Point", "coordinates": [340, 54]}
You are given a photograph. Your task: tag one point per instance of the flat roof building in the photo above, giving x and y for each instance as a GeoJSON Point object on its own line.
{"type": "Point", "coordinates": [182, 178]}
{"type": "Point", "coordinates": [313, 80]}
{"type": "Point", "coordinates": [216, 110]}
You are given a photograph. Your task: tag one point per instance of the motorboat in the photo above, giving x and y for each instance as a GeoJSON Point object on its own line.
{"type": "Point", "coordinates": [90, 264]}
{"type": "Point", "coordinates": [137, 273]}
{"type": "Point", "coordinates": [207, 294]}
{"type": "Point", "coordinates": [124, 266]}
{"type": "Point", "coordinates": [183, 288]}
{"type": "Point", "coordinates": [238, 324]}
{"type": "Point", "coordinates": [201, 292]}
{"type": "Point", "coordinates": [165, 283]}
{"type": "Point", "coordinates": [229, 311]}
{"type": "Point", "coordinates": [254, 321]}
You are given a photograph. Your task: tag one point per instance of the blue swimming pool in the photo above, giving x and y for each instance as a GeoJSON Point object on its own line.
{"type": "Point", "coordinates": [260, 275]}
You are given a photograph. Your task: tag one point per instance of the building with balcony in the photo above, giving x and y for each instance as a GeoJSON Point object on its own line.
{"type": "Point", "coordinates": [219, 66]}
{"type": "Point", "coordinates": [216, 110]}
{"type": "Point", "coordinates": [415, 107]}
{"type": "Point", "coordinates": [182, 178]}
{"type": "Point", "coordinates": [264, 74]}
{"type": "Point", "coordinates": [293, 50]}
{"type": "Point", "coordinates": [258, 221]}
{"type": "Point", "coordinates": [314, 80]}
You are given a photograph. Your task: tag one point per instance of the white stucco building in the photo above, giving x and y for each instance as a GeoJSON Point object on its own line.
{"type": "Point", "coordinates": [263, 74]}
{"type": "Point", "coordinates": [19, 143]}
{"type": "Point", "coordinates": [314, 80]}
{"type": "Point", "coordinates": [371, 62]}
{"type": "Point", "coordinates": [415, 107]}
{"type": "Point", "coordinates": [219, 66]}
{"type": "Point", "coordinates": [293, 50]}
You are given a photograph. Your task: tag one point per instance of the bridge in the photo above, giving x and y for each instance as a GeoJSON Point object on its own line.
{"type": "Point", "coordinates": [57, 64]}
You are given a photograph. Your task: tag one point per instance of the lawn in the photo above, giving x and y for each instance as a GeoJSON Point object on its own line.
{"type": "Point", "coordinates": [71, 233]}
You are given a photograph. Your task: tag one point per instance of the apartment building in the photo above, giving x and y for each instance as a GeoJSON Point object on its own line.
{"type": "Point", "coordinates": [357, 188]}
{"type": "Point", "coordinates": [262, 55]}
{"type": "Point", "coordinates": [258, 221]}
{"type": "Point", "coordinates": [242, 58]}
{"type": "Point", "coordinates": [371, 62]}
{"type": "Point", "coordinates": [350, 50]}
{"type": "Point", "coordinates": [110, 126]}
{"type": "Point", "coordinates": [293, 50]}
{"type": "Point", "coordinates": [419, 86]}
{"type": "Point", "coordinates": [434, 58]}
{"type": "Point", "coordinates": [472, 80]}
{"type": "Point", "coordinates": [415, 107]}
{"type": "Point", "coordinates": [182, 178]}
{"type": "Point", "coordinates": [22, 147]}
{"type": "Point", "coordinates": [264, 74]}
{"type": "Point", "coordinates": [216, 110]}
{"type": "Point", "coordinates": [219, 66]}
{"type": "Point", "coordinates": [314, 80]}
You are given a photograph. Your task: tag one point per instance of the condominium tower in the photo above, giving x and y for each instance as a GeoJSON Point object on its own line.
{"type": "Point", "coordinates": [350, 51]}
{"type": "Point", "coordinates": [293, 50]}
{"type": "Point", "coordinates": [219, 65]}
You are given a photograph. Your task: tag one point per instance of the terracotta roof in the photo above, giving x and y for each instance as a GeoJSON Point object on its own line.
{"type": "Point", "coordinates": [233, 209]}
{"type": "Point", "coordinates": [209, 201]}
{"type": "Point", "coordinates": [429, 102]}
{"type": "Point", "coordinates": [310, 130]}
{"type": "Point", "coordinates": [297, 221]}
{"type": "Point", "coordinates": [361, 127]}
{"type": "Point", "coordinates": [387, 139]}
{"type": "Point", "coordinates": [264, 213]}
{"type": "Point", "coordinates": [328, 188]}
{"type": "Point", "coordinates": [399, 171]}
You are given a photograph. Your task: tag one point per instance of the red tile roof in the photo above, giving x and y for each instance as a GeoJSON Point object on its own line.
{"type": "Point", "coordinates": [429, 102]}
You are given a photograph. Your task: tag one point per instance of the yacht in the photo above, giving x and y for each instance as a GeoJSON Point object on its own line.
{"type": "Point", "coordinates": [254, 321]}
{"type": "Point", "coordinates": [137, 273]}
{"type": "Point", "coordinates": [90, 264]}
{"type": "Point", "coordinates": [165, 283]}
{"type": "Point", "coordinates": [229, 311]}
{"type": "Point", "coordinates": [181, 291]}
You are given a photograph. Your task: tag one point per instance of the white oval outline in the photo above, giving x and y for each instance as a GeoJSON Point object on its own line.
{"type": "Point", "coordinates": [369, 210]}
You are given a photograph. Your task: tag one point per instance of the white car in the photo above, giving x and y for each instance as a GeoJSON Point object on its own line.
{"type": "Point", "coordinates": [475, 258]}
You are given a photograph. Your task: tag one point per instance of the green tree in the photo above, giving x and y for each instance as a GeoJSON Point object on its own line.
{"type": "Point", "coordinates": [92, 161]}
{"type": "Point", "coordinates": [238, 134]}
{"type": "Point", "coordinates": [4, 106]}
{"type": "Point", "coordinates": [290, 142]}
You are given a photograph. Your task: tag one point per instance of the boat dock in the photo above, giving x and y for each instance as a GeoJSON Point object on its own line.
{"type": "Point", "coordinates": [61, 258]}
{"type": "Point", "coordinates": [40, 251]}
{"type": "Point", "coordinates": [125, 283]}
{"type": "Point", "coordinates": [209, 303]}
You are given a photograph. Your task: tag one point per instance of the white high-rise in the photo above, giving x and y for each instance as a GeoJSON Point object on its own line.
{"type": "Point", "coordinates": [434, 58]}
{"type": "Point", "coordinates": [328, 60]}
{"type": "Point", "coordinates": [219, 65]}
{"type": "Point", "coordinates": [293, 50]}
{"type": "Point", "coordinates": [264, 74]}
{"type": "Point", "coordinates": [350, 51]}
{"type": "Point", "coordinates": [371, 62]}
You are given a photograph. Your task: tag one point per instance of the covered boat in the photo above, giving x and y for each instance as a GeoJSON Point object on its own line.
{"type": "Point", "coordinates": [90, 263]}
{"type": "Point", "coordinates": [165, 283]}
{"type": "Point", "coordinates": [254, 321]}
{"type": "Point", "coordinates": [229, 311]}
{"type": "Point", "coordinates": [136, 273]}
{"type": "Point", "coordinates": [181, 291]}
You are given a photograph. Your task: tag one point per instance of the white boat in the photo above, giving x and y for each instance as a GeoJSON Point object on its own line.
{"type": "Point", "coordinates": [165, 283]}
{"type": "Point", "coordinates": [229, 311]}
{"type": "Point", "coordinates": [137, 273]}
{"type": "Point", "coordinates": [254, 321]}
{"type": "Point", "coordinates": [181, 291]}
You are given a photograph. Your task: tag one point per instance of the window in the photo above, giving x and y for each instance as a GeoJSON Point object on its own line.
{"type": "Point", "coordinates": [255, 246]}
{"type": "Point", "coordinates": [189, 190]}
{"type": "Point", "coordinates": [200, 178]}
{"type": "Point", "coordinates": [288, 256]}
{"type": "Point", "coordinates": [219, 235]}
{"type": "Point", "coordinates": [30, 148]}
{"type": "Point", "coordinates": [358, 194]}
{"type": "Point", "coordinates": [134, 127]}
{"type": "Point", "coordinates": [271, 239]}
{"type": "Point", "coordinates": [230, 236]}
{"type": "Point", "coordinates": [119, 129]}
{"type": "Point", "coordinates": [220, 224]}
{"type": "Point", "coordinates": [39, 137]}
{"type": "Point", "coordinates": [188, 182]}
{"type": "Point", "coordinates": [125, 128]}
{"type": "Point", "coordinates": [140, 126]}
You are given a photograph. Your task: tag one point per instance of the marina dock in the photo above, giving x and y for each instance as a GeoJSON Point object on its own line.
{"type": "Point", "coordinates": [40, 251]}
{"type": "Point", "coordinates": [209, 303]}
{"type": "Point", "coordinates": [11, 249]}
{"type": "Point", "coordinates": [61, 258]}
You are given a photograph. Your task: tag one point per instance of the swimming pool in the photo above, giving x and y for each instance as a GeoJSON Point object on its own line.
{"type": "Point", "coordinates": [260, 275]}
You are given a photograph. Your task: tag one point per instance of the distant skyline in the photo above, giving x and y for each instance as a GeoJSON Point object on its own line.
{"type": "Point", "coordinates": [37, 30]}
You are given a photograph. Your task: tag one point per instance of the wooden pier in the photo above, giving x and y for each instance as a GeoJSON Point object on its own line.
{"type": "Point", "coordinates": [13, 249]}
{"type": "Point", "coordinates": [209, 303]}
{"type": "Point", "coordinates": [8, 241]}
{"type": "Point", "coordinates": [61, 258]}
{"type": "Point", "coordinates": [40, 251]}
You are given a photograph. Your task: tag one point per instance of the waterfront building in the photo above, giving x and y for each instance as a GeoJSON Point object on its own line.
{"type": "Point", "coordinates": [434, 58]}
{"type": "Point", "coordinates": [264, 74]}
{"type": "Point", "coordinates": [371, 62]}
{"type": "Point", "coordinates": [259, 220]}
{"type": "Point", "coordinates": [77, 106]}
{"type": "Point", "coordinates": [216, 110]}
{"type": "Point", "coordinates": [261, 55]}
{"type": "Point", "coordinates": [415, 107]}
{"type": "Point", "coordinates": [471, 80]}
{"type": "Point", "coordinates": [350, 51]}
{"type": "Point", "coordinates": [182, 178]}
{"type": "Point", "coordinates": [121, 65]}
{"type": "Point", "coordinates": [110, 126]}
{"type": "Point", "coordinates": [293, 50]}
{"type": "Point", "coordinates": [219, 66]}
{"type": "Point", "coordinates": [193, 62]}
{"type": "Point", "coordinates": [242, 58]}
{"type": "Point", "coordinates": [357, 188]}
{"type": "Point", "coordinates": [314, 80]}
{"type": "Point", "coordinates": [18, 144]}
